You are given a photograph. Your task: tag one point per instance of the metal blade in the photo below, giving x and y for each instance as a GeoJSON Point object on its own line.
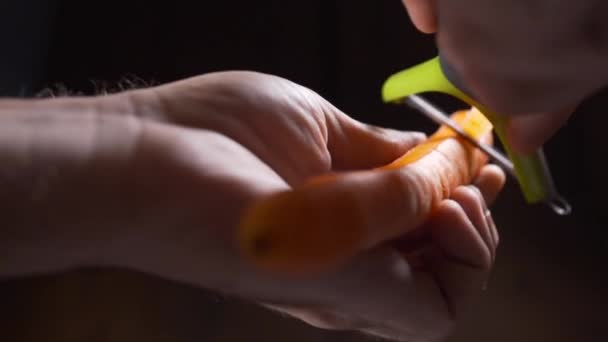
{"type": "Point", "coordinates": [441, 118]}
{"type": "Point", "coordinates": [557, 203]}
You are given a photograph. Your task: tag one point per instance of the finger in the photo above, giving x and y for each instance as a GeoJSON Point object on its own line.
{"type": "Point", "coordinates": [354, 145]}
{"type": "Point", "coordinates": [318, 317]}
{"type": "Point", "coordinates": [529, 132]}
{"type": "Point", "coordinates": [331, 219]}
{"type": "Point", "coordinates": [459, 259]}
{"type": "Point", "coordinates": [422, 13]}
{"type": "Point", "coordinates": [457, 237]}
{"type": "Point", "coordinates": [490, 182]}
{"type": "Point", "coordinates": [471, 201]}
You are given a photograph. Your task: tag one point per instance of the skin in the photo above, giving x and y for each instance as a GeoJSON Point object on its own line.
{"type": "Point", "coordinates": [535, 60]}
{"type": "Point", "coordinates": [155, 179]}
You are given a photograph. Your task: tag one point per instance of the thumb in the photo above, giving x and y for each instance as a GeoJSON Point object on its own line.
{"type": "Point", "coordinates": [354, 145]}
{"type": "Point", "coordinates": [529, 132]}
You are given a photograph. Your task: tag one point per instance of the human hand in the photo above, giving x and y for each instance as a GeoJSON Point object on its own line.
{"type": "Point", "coordinates": [276, 135]}
{"type": "Point", "coordinates": [201, 150]}
{"type": "Point", "coordinates": [536, 60]}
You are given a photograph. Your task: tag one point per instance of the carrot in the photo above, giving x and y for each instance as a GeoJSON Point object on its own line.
{"type": "Point", "coordinates": [333, 217]}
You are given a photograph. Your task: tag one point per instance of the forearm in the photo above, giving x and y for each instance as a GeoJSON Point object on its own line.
{"type": "Point", "coordinates": [58, 158]}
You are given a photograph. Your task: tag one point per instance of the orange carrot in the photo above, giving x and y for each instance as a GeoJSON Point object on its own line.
{"type": "Point", "coordinates": [334, 217]}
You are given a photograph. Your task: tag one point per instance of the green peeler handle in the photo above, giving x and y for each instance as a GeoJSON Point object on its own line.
{"type": "Point", "coordinates": [530, 169]}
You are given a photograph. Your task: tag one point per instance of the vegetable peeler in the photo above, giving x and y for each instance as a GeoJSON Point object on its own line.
{"type": "Point", "coordinates": [435, 75]}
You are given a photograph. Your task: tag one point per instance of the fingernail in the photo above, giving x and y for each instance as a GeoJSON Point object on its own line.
{"type": "Point", "coordinates": [482, 200]}
{"type": "Point", "coordinates": [475, 190]}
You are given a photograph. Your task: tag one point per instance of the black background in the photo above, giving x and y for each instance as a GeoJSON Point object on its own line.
{"type": "Point", "coordinates": [550, 281]}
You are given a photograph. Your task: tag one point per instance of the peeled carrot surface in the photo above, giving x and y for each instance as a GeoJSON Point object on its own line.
{"type": "Point", "coordinates": [333, 217]}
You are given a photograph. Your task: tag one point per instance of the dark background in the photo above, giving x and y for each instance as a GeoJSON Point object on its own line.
{"type": "Point", "coordinates": [550, 281]}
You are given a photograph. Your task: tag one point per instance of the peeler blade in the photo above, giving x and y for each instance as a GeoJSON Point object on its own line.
{"type": "Point", "coordinates": [441, 118]}
{"type": "Point", "coordinates": [556, 202]}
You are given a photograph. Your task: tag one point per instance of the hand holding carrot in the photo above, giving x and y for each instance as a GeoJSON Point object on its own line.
{"type": "Point", "coordinates": [333, 217]}
{"type": "Point", "coordinates": [158, 180]}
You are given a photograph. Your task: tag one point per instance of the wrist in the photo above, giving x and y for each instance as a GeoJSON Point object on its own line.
{"type": "Point", "coordinates": [60, 162]}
